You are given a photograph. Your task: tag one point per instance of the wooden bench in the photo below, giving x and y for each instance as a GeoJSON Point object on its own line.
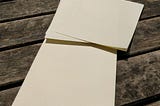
{"type": "Point", "coordinates": [23, 24]}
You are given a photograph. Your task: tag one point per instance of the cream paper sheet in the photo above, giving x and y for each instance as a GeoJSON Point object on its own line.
{"type": "Point", "coordinates": [105, 22]}
{"type": "Point", "coordinates": [70, 75]}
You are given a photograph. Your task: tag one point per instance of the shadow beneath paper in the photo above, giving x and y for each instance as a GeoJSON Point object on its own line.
{"type": "Point", "coordinates": [76, 43]}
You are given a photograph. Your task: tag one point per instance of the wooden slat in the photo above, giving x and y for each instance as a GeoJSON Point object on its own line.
{"type": "Point", "coordinates": [15, 63]}
{"type": "Point", "coordinates": [23, 8]}
{"type": "Point", "coordinates": [22, 31]}
{"type": "Point", "coordinates": [151, 8]}
{"type": "Point", "coordinates": [6, 1]}
{"type": "Point", "coordinates": [146, 37]}
{"type": "Point", "coordinates": [7, 96]}
{"type": "Point", "coordinates": [137, 77]}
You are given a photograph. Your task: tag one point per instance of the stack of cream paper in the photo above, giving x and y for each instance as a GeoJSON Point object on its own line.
{"type": "Point", "coordinates": [76, 64]}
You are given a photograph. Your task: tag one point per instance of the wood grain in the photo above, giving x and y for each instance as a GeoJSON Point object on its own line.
{"type": "Point", "coordinates": [146, 37]}
{"type": "Point", "coordinates": [137, 77]}
{"type": "Point", "coordinates": [7, 96]}
{"type": "Point", "coordinates": [23, 8]}
{"type": "Point", "coordinates": [15, 63]}
{"type": "Point", "coordinates": [22, 31]}
{"type": "Point", "coordinates": [151, 8]}
{"type": "Point", "coordinates": [19, 8]}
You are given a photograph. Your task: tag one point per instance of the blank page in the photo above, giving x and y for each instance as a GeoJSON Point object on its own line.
{"type": "Point", "coordinates": [70, 75]}
{"type": "Point", "coordinates": [105, 22]}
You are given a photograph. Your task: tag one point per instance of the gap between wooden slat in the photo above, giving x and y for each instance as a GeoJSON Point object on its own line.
{"type": "Point", "coordinates": [21, 45]}
{"type": "Point", "coordinates": [144, 101]}
{"type": "Point", "coordinates": [10, 85]}
{"type": "Point", "coordinates": [29, 16]}
{"type": "Point", "coordinates": [147, 18]}
{"type": "Point", "coordinates": [123, 55]}
{"type": "Point", "coordinates": [6, 1]}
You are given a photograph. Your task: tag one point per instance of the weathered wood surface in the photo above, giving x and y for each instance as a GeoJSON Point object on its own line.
{"type": "Point", "coordinates": [6, 1]}
{"type": "Point", "coordinates": [15, 63]}
{"type": "Point", "coordinates": [137, 77]}
{"type": "Point", "coordinates": [7, 96]}
{"type": "Point", "coordinates": [23, 8]}
{"type": "Point", "coordinates": [22, 31]}
{"type": "Point", "coordinates": [146, 37]}
{"type": "Point", "coordinates": [151, 8]}
{"type": "Point", "coordinates": [19, 8]}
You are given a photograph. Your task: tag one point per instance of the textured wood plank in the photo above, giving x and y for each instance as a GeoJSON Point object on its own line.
{"type": "Point", "coordinates": [7, 96]}
{"type": "Point", "coordinates": [15, 63]}
{"type": "Point", "coordinates": [151, 8]}
{"type": "Point", "coordinates": [22, 8]}
{"type": "Point", "coordinates": [22, 31]}
{"type": "Point", "coordinates": [138, 77]}
{"type": "Point", "coordinates": [146, 37]}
